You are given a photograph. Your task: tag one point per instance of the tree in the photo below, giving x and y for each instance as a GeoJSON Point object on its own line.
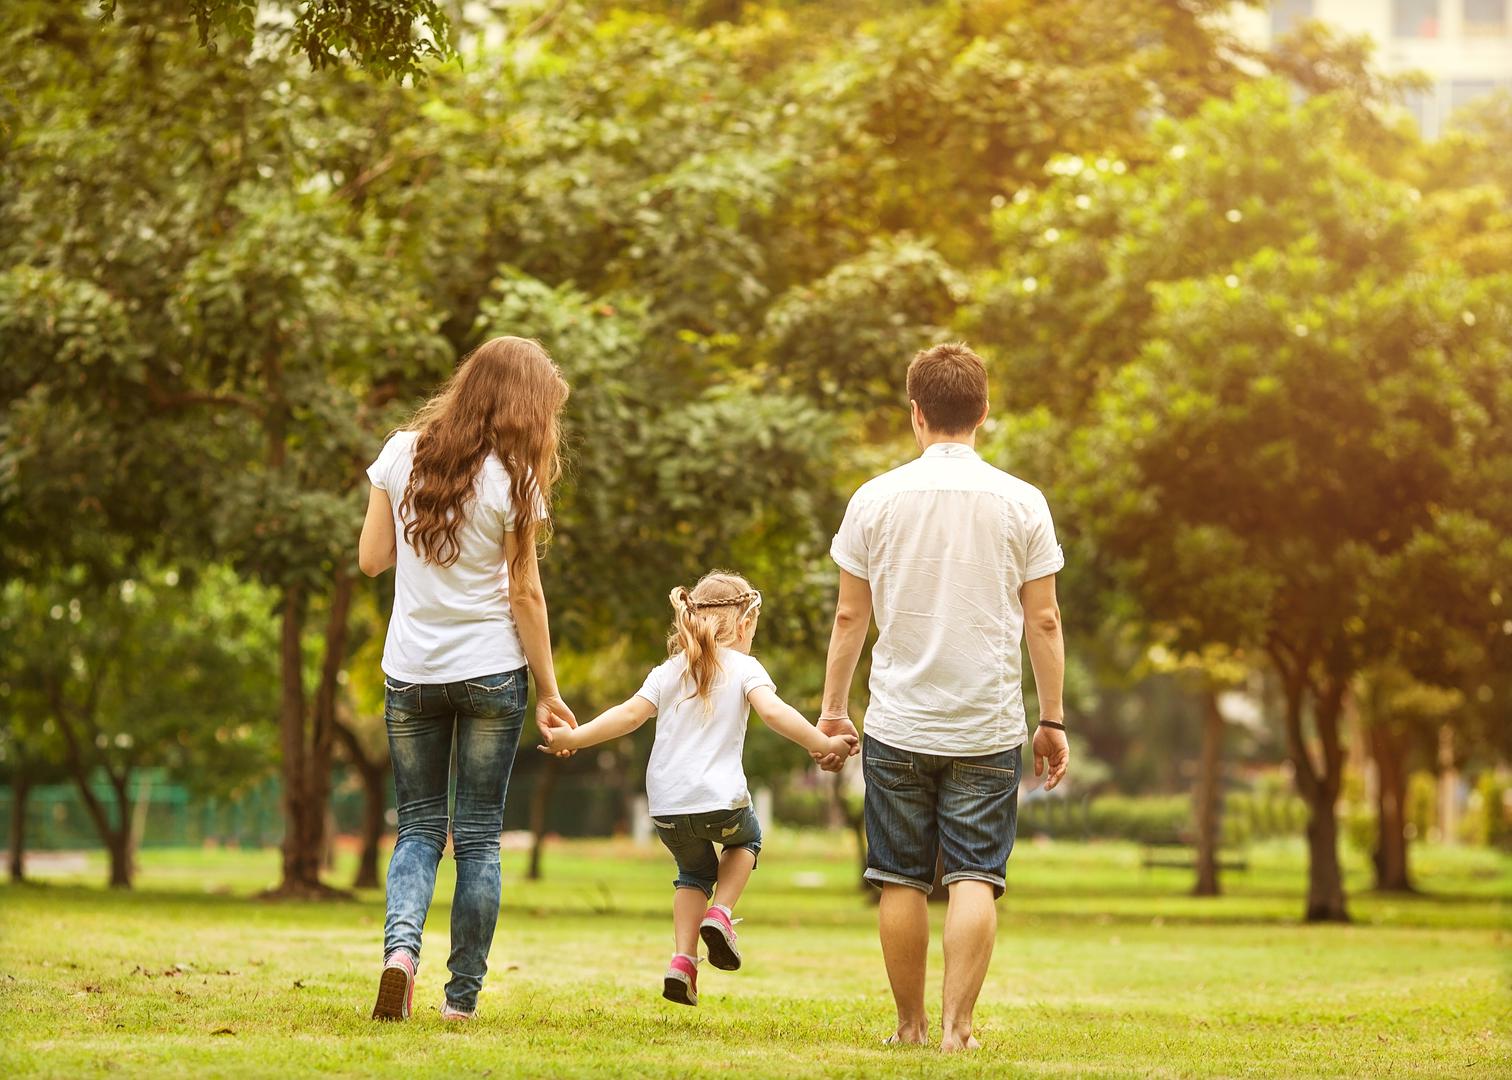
{"type": "Point", "coordinates": [1243, 265]}
{"type": "Point", "coordinates": [1248, 484]}
{"type": "Point", "coordinates": [255, 330]}
{"type": "Point", "coordinates": [390, 38]}
{"type": "Point", "coordinates": [361, 733]}
{"type": "Point", "coordinates": [120, 676]}
{"type": "Point", "coordinates": [29, 757]}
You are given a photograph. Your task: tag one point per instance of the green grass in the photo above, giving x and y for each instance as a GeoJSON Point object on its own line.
{"type": "Point", "coordinates": [1102, 969]}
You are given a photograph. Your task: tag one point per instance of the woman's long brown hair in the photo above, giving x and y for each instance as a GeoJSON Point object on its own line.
{"type": "Point", "coordinates": [505, 398]}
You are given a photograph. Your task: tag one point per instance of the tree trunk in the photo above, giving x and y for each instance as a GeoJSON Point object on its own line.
{"type": "Point", "coordinates": [119, 846]}
{"type": "Point", "coordinates": [1448, 788]}
{"type": "Point", "coordinates": [306, 762]}
{"type": "Point", "coordinates": [1391, 809]}
{"type": "Point", "coordinates": [1207, 796]}
{"type": "Point", "coordinates": [374, 790]}
{"type": "Point", "coordinates": [121, 842]}
{"type": "Point", "coordinates": [1325, 881]}
{"type": "Point", "coordinates": [302, 821]}
{"type": "Point", "coordinates": [21, 786]}
{"type": "Point", "coordinates": [540, 802]}
{"type": "Point", "coordinates": [856, 821]}
{"type": "Point", "coordinates": [1318, 784]}
{"type": "Point", "coordinates": [373, 772]}
{"type": "Point", "coordinates": [117, 839]}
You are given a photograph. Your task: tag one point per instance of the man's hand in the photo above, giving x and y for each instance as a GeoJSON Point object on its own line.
{"type": "Point", "coordinates": [553, 715]}
{"type": "Point", "coordinates": [1052, 753]}
{"type": "Point", "coordinates": [832, 726]}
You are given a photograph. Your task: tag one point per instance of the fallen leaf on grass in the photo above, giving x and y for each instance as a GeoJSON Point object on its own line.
{"type": "Point", "coordinates": [223, 1031]}
{"type": "Point", "coordinates": [299, 984]}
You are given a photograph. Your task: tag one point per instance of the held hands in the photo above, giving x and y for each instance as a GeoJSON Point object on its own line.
{"type": "Point", "coordinates": [844, 742]}
{"type": "Point", "coordinates": [557, 725]}
{"type": "Point", "coordinates": [1052, 754]}
{"type": "Point", "coordinates": [840, 747]}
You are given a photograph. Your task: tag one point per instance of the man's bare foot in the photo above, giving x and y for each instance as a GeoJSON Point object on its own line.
{"type": "Point", "coordinates": [950, 1044]}
{"type": "Point", "coordinates": [907, 1036]}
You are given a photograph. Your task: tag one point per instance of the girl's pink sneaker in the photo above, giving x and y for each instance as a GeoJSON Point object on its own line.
{"type": "Point", "coordinates": [396, 987]}
{"type": "Point", "coordinates": [718, 934]}
{"type": "Point", "coordinates": [681, 982]}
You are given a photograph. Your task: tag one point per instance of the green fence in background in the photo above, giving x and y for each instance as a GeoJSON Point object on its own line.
{"type": "Point", "coordinates": [582, 804]}
{"type": "Point", "coordinates": [170, 815]}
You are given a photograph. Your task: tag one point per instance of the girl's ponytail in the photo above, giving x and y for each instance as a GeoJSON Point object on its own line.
{"type": "Point", "coordinates": [703, 619]}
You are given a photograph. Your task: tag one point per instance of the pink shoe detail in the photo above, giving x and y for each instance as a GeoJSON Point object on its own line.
{"type": "Point", "coordinates": [681, 981]}
{"type": "Point", "coordinates": [718, 934]}
{"type": "Point", "coordinates": [396, 987]}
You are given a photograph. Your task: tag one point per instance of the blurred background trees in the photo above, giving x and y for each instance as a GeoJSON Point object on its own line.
{"type": "Point", "coordinates": [1246, 330]}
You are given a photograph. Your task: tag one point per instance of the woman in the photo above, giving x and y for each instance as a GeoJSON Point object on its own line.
{"type": "Point", "coordinates": [459, 499]}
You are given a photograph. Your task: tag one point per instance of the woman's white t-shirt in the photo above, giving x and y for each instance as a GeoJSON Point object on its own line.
{"type": "Point", "coordinates": [695, 762]}
{"type": "Point", "coordinates": [450, 622]}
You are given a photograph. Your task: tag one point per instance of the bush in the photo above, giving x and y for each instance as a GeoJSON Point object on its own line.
{"type": "Point", "coordinates": [801, 807]}
{"type": "Point", "coordinates": [1422, 804]}
{"type": "Point", "coordinates": [1486, 820]}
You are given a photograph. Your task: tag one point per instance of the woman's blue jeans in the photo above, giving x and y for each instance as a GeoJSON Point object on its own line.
{"type": "Point", "coordinates": [482, 717]}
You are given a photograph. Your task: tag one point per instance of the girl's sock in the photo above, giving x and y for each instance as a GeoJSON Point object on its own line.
{"type": "Point", "coordinates": [728, 913]}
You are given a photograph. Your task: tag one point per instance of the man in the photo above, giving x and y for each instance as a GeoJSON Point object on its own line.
{"type": "Point", "coordinates": [957, 561]}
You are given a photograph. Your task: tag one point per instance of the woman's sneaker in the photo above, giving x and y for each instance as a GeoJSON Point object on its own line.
{"type": "Point", "coordinates": [396, 987]}
{"type": "Point", "coordinates": [718, 934]}
{"type": "Point", "coordinates": [681, 982]}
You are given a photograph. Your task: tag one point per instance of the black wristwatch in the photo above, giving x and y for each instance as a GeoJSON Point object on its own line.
{"type": "Point", "coordinates": [1052, 724]}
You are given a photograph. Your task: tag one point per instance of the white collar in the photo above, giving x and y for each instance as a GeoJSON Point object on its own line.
{"type": "Point", "coordinates": [949, 449]}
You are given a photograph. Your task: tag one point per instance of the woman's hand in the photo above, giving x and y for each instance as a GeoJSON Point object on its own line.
{"type": "Point", "coordinates": [556, 722]}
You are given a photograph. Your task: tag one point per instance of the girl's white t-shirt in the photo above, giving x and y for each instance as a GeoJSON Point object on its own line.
{"type": "Point", "coordinates": [695, 762]}
{"type": "Point", "coordinates": [450, 622]}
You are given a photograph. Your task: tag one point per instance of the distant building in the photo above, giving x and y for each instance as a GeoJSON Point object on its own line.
{"type": "Point", "coordinates": [1464, 46]}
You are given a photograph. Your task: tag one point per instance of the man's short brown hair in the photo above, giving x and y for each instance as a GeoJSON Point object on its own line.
{"type": "Point", "coordinates": [949, 382]}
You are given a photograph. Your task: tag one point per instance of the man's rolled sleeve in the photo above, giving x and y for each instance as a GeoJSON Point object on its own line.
{"type": "Point", "coordinates": [848, 549]}
{"type": "Point", "coordinates": [1043, 554]}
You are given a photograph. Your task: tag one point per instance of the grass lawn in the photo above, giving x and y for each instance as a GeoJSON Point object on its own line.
{"type": "Point", "coordinates": [1102, 969]}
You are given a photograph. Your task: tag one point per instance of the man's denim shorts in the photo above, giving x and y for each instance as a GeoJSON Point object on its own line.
{"type": "Point", "coordinates": [691, 839]}
{"type": "Point", "coordinates": [964, 808]}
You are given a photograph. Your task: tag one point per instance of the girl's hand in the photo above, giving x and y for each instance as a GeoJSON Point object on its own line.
{"type": "Point", "coordinates": [840, 747]}
{"type": "Point", "coordinates": [833, 726]}
{"type": "Point", "coordinates": [557, 741]}
{"type": "Point", "coordinates": [557, 723]}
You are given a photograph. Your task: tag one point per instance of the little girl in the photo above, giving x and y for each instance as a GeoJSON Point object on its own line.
{"type": "Point", "coordinates": [695, 784]}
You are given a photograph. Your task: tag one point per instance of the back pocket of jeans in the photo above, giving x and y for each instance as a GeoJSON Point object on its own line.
{"type": "Point", "coordinates": [401, 701]}
{"type": "Point", "coordinates": [985, 779]}
{"type": "Point", "coordinates": [888, 773]}
{"type": "Point", "coordinates": [720, 830]}
{"type": "Point", "coordinates": [497, 695]}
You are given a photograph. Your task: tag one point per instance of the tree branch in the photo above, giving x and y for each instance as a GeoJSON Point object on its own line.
{"type": "Point", "coordinates": [59, 708]}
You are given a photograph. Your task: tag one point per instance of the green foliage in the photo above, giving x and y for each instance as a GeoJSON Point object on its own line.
{"type": "Point", "coordinates": [389, 38]}
{"type": "Point", "coordinates": [1489, 821]}
{"type": "Point", "coordinates": [1071, 302]}
{"type": "Point", "coordinates": [159, 671]}
{"type": "Point", "coordinates": [1249, 346]}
